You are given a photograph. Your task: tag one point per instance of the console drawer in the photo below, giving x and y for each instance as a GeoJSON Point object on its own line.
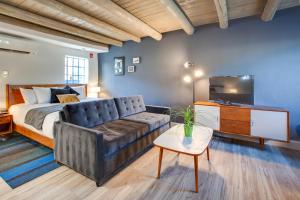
{"type": "Point", "coordinates": [234, 113]}
{"type": "Point", "coordinates": [235, 127]}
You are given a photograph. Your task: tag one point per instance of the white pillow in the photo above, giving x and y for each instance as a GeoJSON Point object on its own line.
{"type": "Point", "coordinates": [81, 91]}
{"type": "Point", "coordinates": [43, 95]}
{"type": "Point", "coordinates": [28, 96]}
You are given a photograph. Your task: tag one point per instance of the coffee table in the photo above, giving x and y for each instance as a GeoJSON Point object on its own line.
{"type": "Point", "coordinates": [174, 140]}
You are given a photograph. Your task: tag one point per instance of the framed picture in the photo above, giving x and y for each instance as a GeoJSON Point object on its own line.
{"type": "Point", "coordinates": [136, 60]}
{"type": "Point", "coordinates": [119, 68]}
{"type": "Point", "coordinates": [131, 68]}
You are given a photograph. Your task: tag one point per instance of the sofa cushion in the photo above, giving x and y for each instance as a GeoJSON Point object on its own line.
{"type": "Point", "coordinates": [130, 105]}
{"type": "Point", "coordinates": [91, 114]}
{"type": "Point", "coordinates": [120, 133]}
{"type": "Point", "coordinates": [152, 119]}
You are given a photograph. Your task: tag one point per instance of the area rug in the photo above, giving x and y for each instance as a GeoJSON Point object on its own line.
{"type": "Point", "coordinates": [22, 160]}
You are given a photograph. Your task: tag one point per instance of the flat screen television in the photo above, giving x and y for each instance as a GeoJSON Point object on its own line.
{"type": "Point", "coordinates": [232, 89]}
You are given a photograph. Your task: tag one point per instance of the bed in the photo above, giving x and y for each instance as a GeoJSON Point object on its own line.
{"type": "Point", "coordinates": [19, 110]}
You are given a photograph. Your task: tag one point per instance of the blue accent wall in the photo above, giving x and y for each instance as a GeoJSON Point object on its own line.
{"type": "Point", "coordinates": [269, 51]}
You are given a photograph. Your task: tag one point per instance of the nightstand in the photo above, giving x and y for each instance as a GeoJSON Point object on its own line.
{"type": "Point", "coordinates": [6, 124]}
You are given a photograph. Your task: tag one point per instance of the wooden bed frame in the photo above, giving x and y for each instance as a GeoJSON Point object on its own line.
{"type": "Point", "coordinates": [14, 96]}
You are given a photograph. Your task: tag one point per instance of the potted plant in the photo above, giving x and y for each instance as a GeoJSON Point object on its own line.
{"type": "Point", "coordinates": [188, 122]}
{"type": "Point", "coordinates": [187, 115]}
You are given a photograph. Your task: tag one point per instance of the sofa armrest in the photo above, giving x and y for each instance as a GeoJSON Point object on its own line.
{"type": "Point", "coordinates": [158, 109]}
{"type": "Point", "coordinates": [79, 148]}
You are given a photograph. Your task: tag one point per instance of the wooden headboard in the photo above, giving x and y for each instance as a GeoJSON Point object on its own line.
{"type": "Point", "coordinates": [14, 96]}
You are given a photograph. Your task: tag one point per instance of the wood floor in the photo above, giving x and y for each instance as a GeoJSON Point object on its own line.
{"type": "Point", "coordinates": [236, 171]}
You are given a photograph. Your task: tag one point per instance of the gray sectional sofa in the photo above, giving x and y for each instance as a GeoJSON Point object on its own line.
{"type": "Point", "coordinates": [99, 138]}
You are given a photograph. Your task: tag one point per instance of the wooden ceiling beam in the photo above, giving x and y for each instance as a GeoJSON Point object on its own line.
{"type": "Point", "coordinates": [14, 12]}
{"type": "Point", "coordinates": [270, 9]}
{"type": "Point", "coordinates": [113, 9]}
{"type": "Point", "coordinates": [176, 11]}
{"type": "Point", "coordinates": [33, 31]}
{"type": "Point", "coordinates": [61, 12]}
{"type": "Point", "coordinates": [221, 7]}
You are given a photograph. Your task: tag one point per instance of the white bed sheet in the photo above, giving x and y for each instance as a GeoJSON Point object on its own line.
{"type": "Point", "coordinates": [19, 112]}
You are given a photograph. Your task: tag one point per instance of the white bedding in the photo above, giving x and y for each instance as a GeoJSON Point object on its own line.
{"type": "Point", "coordinates": [19, 112]}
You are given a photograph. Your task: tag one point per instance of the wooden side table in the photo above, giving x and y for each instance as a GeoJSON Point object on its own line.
{"type": "Point", "coordinates": [6, 124]}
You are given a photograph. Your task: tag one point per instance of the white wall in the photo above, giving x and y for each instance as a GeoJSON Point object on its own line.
{"type": "Point", "coordinates": [44, 66]}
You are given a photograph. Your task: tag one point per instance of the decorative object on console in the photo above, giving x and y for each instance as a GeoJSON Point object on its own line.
{"type": "Point", "coordinates": [119, 66]}
{"type": "Point", "coordinates": [136, 60]}
{"type": "Point", "coordinates": [131, 68]}
{"type": "Point", "coordinates": [192, 75]}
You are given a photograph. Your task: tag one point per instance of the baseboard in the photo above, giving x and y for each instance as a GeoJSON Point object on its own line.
{"type": "Point", "coordinates": [293, 144]}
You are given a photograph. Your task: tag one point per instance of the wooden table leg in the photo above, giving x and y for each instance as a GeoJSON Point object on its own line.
{"type": "Point", "coordinates": [207, 153]}
{"type": "Point", "coordinates": [261, 142]}
{"type": "Point", "coordinates": [196, 172]}
{"type": "Point", "coordinates": [161, 151]}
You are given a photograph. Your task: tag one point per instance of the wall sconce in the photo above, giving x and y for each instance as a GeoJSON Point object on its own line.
{"type": "Point", "coordinates": [4, 73]}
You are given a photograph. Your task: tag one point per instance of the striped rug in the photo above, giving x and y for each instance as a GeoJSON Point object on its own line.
{"type": "Point", "coordinates": [22, 160]}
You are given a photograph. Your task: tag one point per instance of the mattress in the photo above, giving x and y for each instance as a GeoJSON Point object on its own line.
{"type": "Point", "coordinates": [19, 112]}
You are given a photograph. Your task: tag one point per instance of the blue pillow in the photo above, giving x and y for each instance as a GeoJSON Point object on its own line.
{"type": "Point", "coordinates": [72, 91]}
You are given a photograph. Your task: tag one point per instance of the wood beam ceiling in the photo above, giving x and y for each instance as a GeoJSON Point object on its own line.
{"type": "Point", "coordinates": [33, 31]}
{"type": "Point", "coordinates": [111, 9]}
{"type": "Point", "coordinates": [176, 11]}
{"type": "Point", "coordinates": [270, 10]}
{"type": "Point", "coordinates": [221, 7]}
{"type": "Point", "coordinates": [61, 12]}
{"type": "Point", "coordinates": [14, 12]}
{"type": "Point", "coordinates": [114, 21]}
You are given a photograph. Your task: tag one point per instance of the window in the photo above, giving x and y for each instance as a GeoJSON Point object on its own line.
{"type": "Point", "coordinates": [76, 70]}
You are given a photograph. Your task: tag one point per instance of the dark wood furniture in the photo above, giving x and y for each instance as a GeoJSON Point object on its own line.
{"type": "Point", "coordinates": [6, 124]}
{"type": "Point", "coordinates": [14, 96]}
